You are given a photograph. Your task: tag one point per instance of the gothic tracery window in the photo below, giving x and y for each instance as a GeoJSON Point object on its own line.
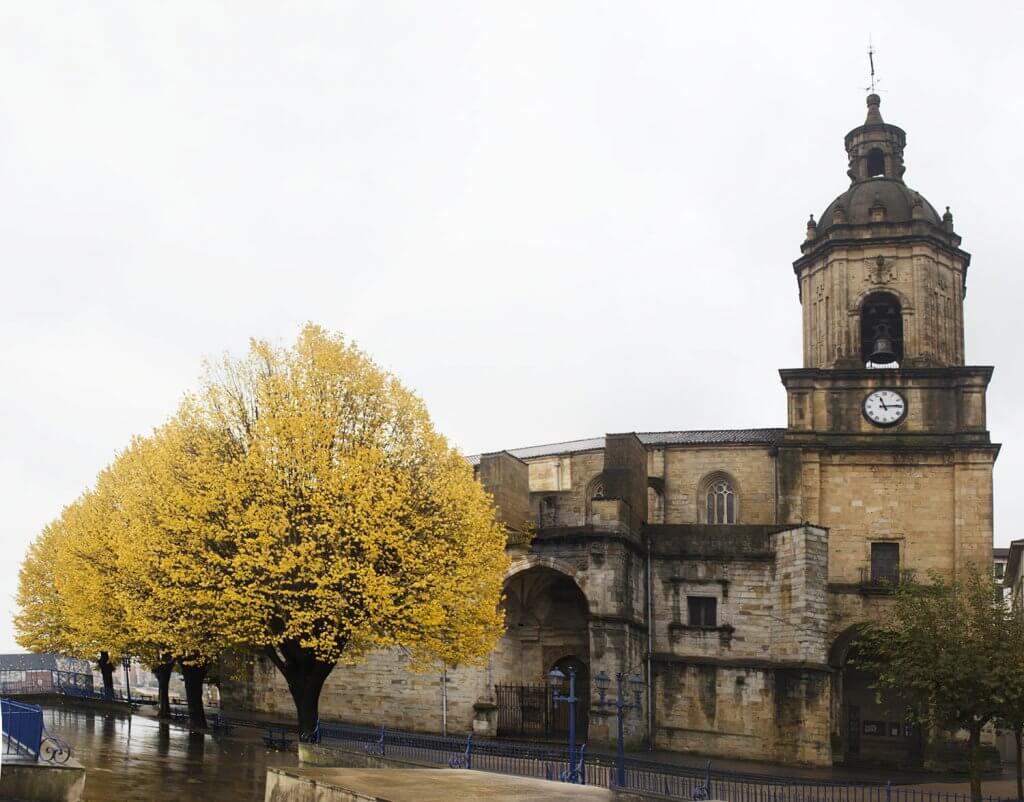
{"type": "Point", "coordinates": [720, 500]}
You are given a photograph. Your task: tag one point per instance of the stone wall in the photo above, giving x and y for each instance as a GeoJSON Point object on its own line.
{"type": "Point", "coordinates": [507, 479]}
{"type": "Point", "coordinates": [756, 685]}
{"type": "Point", "coordinates": [381, 689]}
{"type": "Point", "coordinates": [757, 712]}
{"type": "Point", "coordinates": [684, 469]}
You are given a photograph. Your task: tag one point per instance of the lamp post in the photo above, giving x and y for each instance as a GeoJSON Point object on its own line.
{"type": "Point", "coordinates": [555, 679]}
{"type": "Point", "coordinates": [126, 662]}
{"type": "Point", "coordinates": [602, 681]}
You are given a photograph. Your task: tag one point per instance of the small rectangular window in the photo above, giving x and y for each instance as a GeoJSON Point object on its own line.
{"type": "Point", "coordinates": [703, 611]}
{"type": "Point", "coordinates": [885, 563]}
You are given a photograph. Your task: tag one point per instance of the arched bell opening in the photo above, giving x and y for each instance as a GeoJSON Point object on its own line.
{"type": "Point", "coordinates": [881, 330]}
{"type": "Point", "coordinates": [546, 626]}
{"type": "Point", "coordinates": [876, 163]}
{"type": "Point", "coordinates": [875, 725]}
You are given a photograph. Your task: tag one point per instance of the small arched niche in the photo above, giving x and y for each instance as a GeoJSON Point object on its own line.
{"type": "Point", "coordinates": [881, 330]}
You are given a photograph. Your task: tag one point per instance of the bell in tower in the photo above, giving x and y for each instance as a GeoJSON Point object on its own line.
{"type": "Point", "coordinates": [881, 276]}
{"type": "Point", "coordinates": [881, 337]}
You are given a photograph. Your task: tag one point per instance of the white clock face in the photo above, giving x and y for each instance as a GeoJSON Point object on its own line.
{"type": "Point", "coordinates": [885, 407]}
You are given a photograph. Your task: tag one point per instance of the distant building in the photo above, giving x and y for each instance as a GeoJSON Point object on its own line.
{"type": "Point", "coordinates": [1000, 556]}
{"type": "Point", "coordinates": [37, 672]}
{"type": "Point", "coordinates": [1013, 572]}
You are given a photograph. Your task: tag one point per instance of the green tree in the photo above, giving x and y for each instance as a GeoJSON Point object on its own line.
{"type": "Point", "coordinates": [1011, 704]}
{"type": "Point", "coordinates": [942, 644]}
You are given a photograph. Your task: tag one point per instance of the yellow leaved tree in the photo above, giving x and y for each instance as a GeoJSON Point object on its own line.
{"type": "Point", "coordinates": [67, 588]}
{"type": "Point", "coordinates": [303, 506]}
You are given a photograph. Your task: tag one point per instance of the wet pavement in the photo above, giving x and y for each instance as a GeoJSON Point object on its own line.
{"type": "Point", "coordinates": [140, 758]}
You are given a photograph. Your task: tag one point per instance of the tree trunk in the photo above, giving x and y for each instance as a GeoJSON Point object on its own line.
{"type": "Point", "coordinates": [163, 679]}
{"type": "Point", "coordinates": [1018, 732]}
{"type": "Point", "coordinates": [305, 675]}
{"type": "Point", "coordinates": [974, 762]}
{"type": "Point", "coordinates": [107, 670]}
{"type": "Point", "coordinates": [194, 676]}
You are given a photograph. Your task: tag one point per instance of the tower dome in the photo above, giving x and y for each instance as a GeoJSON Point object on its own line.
{"type": "Point", "coordinates": [877, 193]}
{"type": "Point", "coordinates": [881, 276]}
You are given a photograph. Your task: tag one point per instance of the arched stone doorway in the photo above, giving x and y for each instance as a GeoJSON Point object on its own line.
{"type": "Point", "coordinates": [546, 626]}
{"type": "Point", "coordinates": [874, 725]}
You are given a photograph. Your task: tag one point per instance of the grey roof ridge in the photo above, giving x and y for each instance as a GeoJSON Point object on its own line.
{"type": "Point", "coordinates": [567, 444]}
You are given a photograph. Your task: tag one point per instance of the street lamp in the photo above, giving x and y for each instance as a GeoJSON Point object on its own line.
{"type": "Point", "coordinates": [126, 662]}
{"type": "Point", "coordinates": [555, 679]}
{"type": "Point", "coordinates": [603, 681]}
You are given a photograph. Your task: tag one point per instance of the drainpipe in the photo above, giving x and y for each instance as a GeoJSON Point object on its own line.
{"type": "Point", "coordinates": [774, 451]}
{"type": "Point", "coordinates": [444, 699]}
{"type": "Point", "coordinates": [650, 652]}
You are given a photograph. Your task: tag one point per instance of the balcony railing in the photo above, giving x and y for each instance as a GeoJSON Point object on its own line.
{"type": "Point", "coordinates": [883, 581]}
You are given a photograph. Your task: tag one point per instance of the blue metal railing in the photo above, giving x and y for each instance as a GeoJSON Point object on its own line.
{"type": "Point", "coordinates": [22, 727]}
{"type": "Point", "coordinates": [24, 734]}
{"type": "Point", "coordinates": [48, 681]}
{"type": "Point", "coordinates": [551, 761]}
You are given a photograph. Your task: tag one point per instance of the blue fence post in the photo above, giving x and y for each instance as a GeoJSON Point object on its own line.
{"type": "Point", "coordinates": [888, 791]}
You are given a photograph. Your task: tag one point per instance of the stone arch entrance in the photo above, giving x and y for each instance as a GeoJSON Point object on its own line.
{"type": "Point", "coordinates": [546, 626]}
{"type": "Point", "coordinates": [874, 727]}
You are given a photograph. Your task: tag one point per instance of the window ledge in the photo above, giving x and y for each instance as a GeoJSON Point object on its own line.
{"type": "Point", "coordinates": [726, 629]}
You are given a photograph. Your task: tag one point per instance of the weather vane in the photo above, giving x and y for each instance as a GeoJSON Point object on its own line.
{"type": "Point", "coordinates": [871, 61]}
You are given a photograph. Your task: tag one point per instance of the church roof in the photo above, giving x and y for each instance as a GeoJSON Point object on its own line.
{"type": "Point", "coordinates": [687, 437]}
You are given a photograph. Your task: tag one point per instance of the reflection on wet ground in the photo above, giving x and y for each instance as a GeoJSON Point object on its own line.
{"type": "Point", "coordinates": [140, 758]}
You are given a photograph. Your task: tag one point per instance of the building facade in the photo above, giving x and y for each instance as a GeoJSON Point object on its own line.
{"type": "Point", "coordinates": [731, 570]}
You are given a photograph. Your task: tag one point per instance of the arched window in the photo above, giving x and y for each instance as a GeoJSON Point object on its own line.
{"type": "Point", "coordinates": [876, 163]}
{"type": "Point", "coordinates": [881, 330]}
{"type": "Point", "coordinates": [719, 499]}
{"type": "Point", "coordinates": [595, 490]}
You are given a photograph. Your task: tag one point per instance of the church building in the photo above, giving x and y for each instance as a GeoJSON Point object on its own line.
{"type": "Point", "coordinates": [731, 570]}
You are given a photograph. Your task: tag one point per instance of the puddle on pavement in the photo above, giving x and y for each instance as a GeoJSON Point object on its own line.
{"type": "Point", "coordinates": [140, 758]}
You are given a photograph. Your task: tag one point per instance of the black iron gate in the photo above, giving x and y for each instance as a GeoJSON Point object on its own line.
{"type": "Point", "coordinates": [528, 710]}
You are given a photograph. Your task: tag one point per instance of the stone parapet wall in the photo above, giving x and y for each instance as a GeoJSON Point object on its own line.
{"type": "Point", "coordinates": [379, 690]}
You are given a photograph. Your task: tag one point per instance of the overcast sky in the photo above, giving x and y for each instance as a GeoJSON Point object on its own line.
{"type": "Point", "coordinates": [551, 219]}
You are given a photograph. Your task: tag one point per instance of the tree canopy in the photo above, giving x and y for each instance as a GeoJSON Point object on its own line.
{"type": "Point", "coordinates": [300, 505]}
{"type": "Point", "coordinates": [948, 645]}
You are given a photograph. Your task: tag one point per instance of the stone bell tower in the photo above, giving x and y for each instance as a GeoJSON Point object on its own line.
{"type": "Point", "coordinates": [881, 262]}
{"type": "Point", "coordinates": [887, 442]}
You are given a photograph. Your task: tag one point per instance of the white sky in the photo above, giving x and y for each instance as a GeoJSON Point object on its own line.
{"type": "Point", "coordinates": [551, 219]}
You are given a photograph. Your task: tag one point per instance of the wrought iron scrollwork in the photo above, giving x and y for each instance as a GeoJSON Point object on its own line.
{"type": "Point", "coordinates": [465, 759]}
{"type": "Point", "coordinates": [54, 750]}
{"type": "Point", "coordinates": [702, 790]}
{"type": "Point", "coordinates": [377, 747]}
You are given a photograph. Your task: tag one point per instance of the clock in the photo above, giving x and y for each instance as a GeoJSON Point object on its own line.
{"type": "Point", "coordinates": [885, 407]}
